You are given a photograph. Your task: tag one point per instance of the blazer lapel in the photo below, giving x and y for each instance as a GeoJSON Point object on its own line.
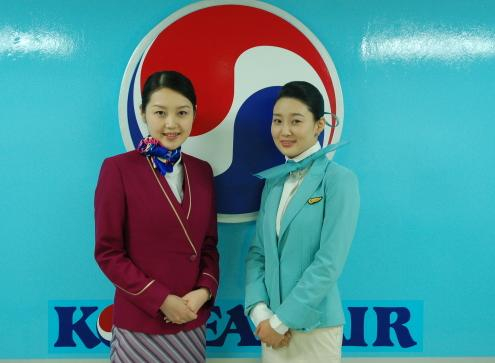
{"type": "Point", "coordinates": [179, 211]}
{"type": "Point", "coordinates": [270, 241]}
{"type": "Point", "coordinates": [186, 187]}
{"type": "Point", "coordinates": [184, 208]}
{"type": "Point", "coordinates": [271, 207]}
{"type": "Point", "coordinates": [311, 181]}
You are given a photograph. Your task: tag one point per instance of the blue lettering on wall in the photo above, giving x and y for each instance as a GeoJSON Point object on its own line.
{"type": "Point", "coordinates": [237, 324]}
{"type": "Point", "coordinates": [370, 327]}
{"type": "Point", "coordinates": [384, 327]}
{"type": "Point", "coordinates": [357, 338]}
{"type": "Point", "coordinates": [66, 327]}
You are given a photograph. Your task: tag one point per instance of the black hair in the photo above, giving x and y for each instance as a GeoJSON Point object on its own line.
{"type": "Point", "coordinates": [167, 79]}
{"type": "Point", "coordinates": [307, 94]}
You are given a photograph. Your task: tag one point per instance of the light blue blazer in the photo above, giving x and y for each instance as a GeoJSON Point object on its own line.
{"type": "Point", "coordinates": [296, 274]}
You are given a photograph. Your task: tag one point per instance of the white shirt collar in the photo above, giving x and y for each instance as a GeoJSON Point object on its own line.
{"type": "Point", "coordinates": [306, 153]}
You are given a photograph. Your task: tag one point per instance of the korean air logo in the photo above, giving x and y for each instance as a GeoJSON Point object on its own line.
{"type": "Point", "coordinates": [84, 327]}
{"type": "Point", "coordinates": [237, 55]}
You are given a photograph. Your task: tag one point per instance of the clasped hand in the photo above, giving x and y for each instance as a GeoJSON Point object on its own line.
{"type": "Point", "coordinates": [181, 310]}
{"type": "Point", "coordinates": [270, 337]}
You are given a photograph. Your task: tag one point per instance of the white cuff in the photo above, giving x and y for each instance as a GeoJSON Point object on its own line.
{"type": "Point", "coordinates": [259, 313]}
{"type": "Point", "coordinates": [277, 325]}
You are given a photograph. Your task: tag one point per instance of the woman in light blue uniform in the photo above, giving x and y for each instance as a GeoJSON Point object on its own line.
{"type": "Point", "coordinates": [307, 218]}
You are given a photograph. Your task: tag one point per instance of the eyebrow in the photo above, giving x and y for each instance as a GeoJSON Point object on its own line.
{"type": "Point", "coordinates": [292, 114]}
{"type": "Point", "coordinates": [160, 106]}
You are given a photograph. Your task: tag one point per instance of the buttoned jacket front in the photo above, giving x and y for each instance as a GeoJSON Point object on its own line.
{"type": "Point", "coordinates": [296, 274]}
{"type": "Point", "coordinates": [149, 245]}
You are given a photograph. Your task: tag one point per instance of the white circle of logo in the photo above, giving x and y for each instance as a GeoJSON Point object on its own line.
{"type": "Point", "coordinates": [237, 66]}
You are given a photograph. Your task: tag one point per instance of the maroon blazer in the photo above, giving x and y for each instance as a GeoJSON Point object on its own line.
{"type": "Point", "coordinates": [149, 245]}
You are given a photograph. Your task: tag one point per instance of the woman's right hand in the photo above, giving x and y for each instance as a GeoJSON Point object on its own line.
{"type": "Point", "coordinates": [270, 337]}
{"type": "Point", "coordinates": [176, 310]}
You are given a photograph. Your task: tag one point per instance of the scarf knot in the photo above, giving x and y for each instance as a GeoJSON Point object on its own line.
{"type": "Point", "coordinates": [162, 158]}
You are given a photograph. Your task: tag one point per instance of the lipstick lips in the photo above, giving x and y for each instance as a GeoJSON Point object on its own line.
{"type": "Point", "coordinates": [171, 135]}
{"type": "Point", "coordinates": [286, 143]}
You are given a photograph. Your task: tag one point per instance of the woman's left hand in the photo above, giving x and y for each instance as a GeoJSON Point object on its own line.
{"type": "Point", "coordinates": [197, 298]}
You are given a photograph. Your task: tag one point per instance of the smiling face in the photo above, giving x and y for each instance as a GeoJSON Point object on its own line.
{"type": "Point", "coordinates": [294, 128]}
{"type": "Point", "coordinates": [169, 117]}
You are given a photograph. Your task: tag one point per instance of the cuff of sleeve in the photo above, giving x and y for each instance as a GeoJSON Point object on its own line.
{"type": "Point", "coordinates": [259, 313]}
{"type": "Point", "coordinates": [151, 299]}
{"type": "Point", "coordinates": [254, 294]}
{"type": "Point", "coordinates": [278, 325]}
{"type": "Point", "coordinates": [305, 318]}
{"type": "Point", "coordinates": [210, 282]}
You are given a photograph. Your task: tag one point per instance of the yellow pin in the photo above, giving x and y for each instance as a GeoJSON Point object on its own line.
{"type": "Point", "coordinates": [314, 200]}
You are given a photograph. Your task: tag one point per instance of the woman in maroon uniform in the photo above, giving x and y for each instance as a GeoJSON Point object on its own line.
{"type": "Point", "coordinates": [156, 233]}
